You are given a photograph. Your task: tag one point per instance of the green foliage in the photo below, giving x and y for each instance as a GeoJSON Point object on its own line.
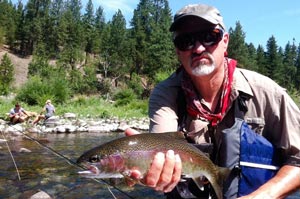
{"type": "Point", "coordinates": [6, 74]}
{"type": "Point", "coordinates": [40, 67]}
{"type": "Point", "coordinates": [135, 84]}
{"type": "Point", "coordinates": [124, 97]}
{"type": "Point", "coordinates": [76, 38]}
{"type": "Point", "coordinates": [138, 105]}
{"type": "Point", "coordinates": [1, 36]}
{"type": "Point", "coordinates": [104, 87]}
{"type": "Point", "coordinates": [36, 91]}
{"type": "Point", "coordinates": [161, 75]}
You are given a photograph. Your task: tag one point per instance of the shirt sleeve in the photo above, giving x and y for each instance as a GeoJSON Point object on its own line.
{"type": "Point", "coordinates": [290, 137]}
{"type": "Point", "coordinates": [163, 108]}
{"type": "Point", "coordinates": [281, 115]}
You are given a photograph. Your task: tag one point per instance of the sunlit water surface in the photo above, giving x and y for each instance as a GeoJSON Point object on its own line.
{"type": "Point", "coordinates": [42, 170]}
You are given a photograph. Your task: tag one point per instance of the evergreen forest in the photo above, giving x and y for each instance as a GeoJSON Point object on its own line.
{"type": "Point", "coordinates": [76, 50]}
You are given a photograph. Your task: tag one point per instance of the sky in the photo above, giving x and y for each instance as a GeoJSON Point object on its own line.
{"type": "Point", "coordinates": [260, 19]}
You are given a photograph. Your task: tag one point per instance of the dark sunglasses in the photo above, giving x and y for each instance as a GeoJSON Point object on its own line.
{"type": "Point", "coordinates": [187, 41]}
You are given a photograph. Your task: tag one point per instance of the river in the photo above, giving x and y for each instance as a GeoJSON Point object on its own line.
{"type": "Point", "coordinates": [43, 170]}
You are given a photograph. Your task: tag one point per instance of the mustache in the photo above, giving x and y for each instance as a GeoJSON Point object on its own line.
{"type": "Point", "coordinates": [203, 54]}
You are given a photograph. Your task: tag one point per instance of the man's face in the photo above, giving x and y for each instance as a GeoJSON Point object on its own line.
{"type": "Point", "coordinates": [200, 47]}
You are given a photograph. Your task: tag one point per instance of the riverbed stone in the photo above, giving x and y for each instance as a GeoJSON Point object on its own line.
{"type": "Point", "coordinates": [24, 150]}
{"type": "Point", "coordinates": [40, 195]}
{"type": "Point", "coordinates": [69, 124]}
{"type": "Point", "coordinates": [69, 115]}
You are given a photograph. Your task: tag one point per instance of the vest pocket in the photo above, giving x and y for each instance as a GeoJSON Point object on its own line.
{"type": "Point", "coordinates": [251, 157]}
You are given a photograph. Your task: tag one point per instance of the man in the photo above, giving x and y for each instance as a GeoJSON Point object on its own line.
{"type": "Point", "coordinates": [17, 114]}
{"type": "Point", "coordinates": [212, 87]}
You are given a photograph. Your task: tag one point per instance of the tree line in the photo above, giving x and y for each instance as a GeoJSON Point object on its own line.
{"type": "Point", "coordinates": [77, 51]}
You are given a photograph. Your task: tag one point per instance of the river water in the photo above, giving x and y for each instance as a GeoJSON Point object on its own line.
{"type": "Point", "coordinates": [42, 170]}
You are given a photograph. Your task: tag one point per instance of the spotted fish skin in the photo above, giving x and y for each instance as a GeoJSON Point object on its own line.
{"type": "Point", "coordinates": [116, 158]}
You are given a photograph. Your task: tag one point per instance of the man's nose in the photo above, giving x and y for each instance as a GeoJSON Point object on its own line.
{"type": "Point", "coordinates": [198, 47]}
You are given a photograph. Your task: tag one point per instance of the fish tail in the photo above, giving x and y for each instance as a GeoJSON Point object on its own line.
{"type": "Point", "coordinates": [223, 174]}
{"type": "Point", "coordinates": [218, 188]}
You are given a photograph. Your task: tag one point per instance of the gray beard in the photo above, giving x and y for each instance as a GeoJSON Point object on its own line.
{"type": "Point", "coordinates": [203, 70]}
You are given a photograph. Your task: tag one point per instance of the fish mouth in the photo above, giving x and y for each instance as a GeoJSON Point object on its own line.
{"type": "Point", "coordinates": [91, 171]}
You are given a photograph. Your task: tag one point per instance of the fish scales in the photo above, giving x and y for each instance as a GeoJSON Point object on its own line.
{"type": "Point", "coordinates": [137, 152]}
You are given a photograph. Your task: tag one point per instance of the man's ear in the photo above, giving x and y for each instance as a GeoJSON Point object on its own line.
{"type": "Point", "coordinates": [226, 41]}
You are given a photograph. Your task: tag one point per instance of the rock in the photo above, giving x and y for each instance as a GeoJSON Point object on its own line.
{"type": "Point", "coordinates": [56, 124]}
{"type": "Point", "coordinates": [40, 195]}
{"type": "Point", "coordinates": [24, 150]}
{"type": "Point", "coordinates": [3, 140]}
{"type": "Point", "coordinates": [70, 115]}
{"type": "Point", "coordinates": [52, 121]}
{"type": "Point", "coordinates": [95, 129]}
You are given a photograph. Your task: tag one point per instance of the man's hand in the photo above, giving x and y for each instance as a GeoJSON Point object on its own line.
{"type": "Point", "coordinates": [164, 172]}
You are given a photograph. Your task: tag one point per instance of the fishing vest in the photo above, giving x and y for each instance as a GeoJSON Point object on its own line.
{"type": "Point", "coordinates": [251, 158]}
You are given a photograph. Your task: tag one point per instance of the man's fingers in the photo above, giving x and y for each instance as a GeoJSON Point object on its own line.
{"type": "Point", "coordinates": [167, 172]}
{"type": "Point", "coordinates": [134, 177]}
{"type": "Point", "coordinates": [176, 174]}
{"type": "Point", "coordinates": [129, 131]}
{"type": "Point", "coordinates": [155, 170]}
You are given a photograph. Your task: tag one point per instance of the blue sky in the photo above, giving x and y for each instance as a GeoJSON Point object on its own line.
{"type": "Point", "coordinates": [260, 19]}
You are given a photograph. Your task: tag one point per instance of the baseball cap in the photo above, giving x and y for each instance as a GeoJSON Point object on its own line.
{"type": "Point", "coordinates": [205, 12]}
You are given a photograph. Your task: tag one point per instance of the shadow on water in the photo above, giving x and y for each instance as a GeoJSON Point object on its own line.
{"type": "Point", "coordinates": [42, 170]}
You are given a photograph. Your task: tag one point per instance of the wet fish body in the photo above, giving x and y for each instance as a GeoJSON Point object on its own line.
{"type": "Point", "coordinates": [116, 158]}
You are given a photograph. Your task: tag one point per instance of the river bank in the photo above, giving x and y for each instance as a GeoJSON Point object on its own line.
{"type": "Point", "coordinates": [70, 123]}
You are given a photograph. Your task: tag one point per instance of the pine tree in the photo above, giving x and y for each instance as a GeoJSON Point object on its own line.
{"type": "Point", "coordinates": [297, 64]}
{"type": "Point", "coordinates": [71, 37]}
{"type": "Point", "coordinates": [99, 28]}
{"type": "Point", "coordinates": [35, 23]}
{"type": "Point", "coordinates": [273, 59]}
{"type": "Point", "coordinates": [252, 61]}
{"type": "Point", "coordinates": [117, 44]}
{"type": "Point", "coordinates": [140, 34]}
{"type": "Point", "coordinates": [289, 64]}
{"type": "Point", "coordinates": [6, 74]}
{"type": "Point", "coordinates": [55, 14]}
{"type": "Point", "coordinates": [160, 47]}
{"type": "Point", "coordinates": [261, 60]}
{"type": "Point", "coordinates": [237, 48]}
{"type": "Point", "coordinates": [8, 25]}
{"type": "Point", "coordinates": [89, 28]}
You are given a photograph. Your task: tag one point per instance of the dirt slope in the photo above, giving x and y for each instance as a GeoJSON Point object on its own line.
{"type": "Point", "coordinates": [20, 64]}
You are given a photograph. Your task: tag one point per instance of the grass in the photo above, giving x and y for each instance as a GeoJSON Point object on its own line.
{"type": "Point", "coordinates": [84, 106]}
{"type": "Point", "coordinates": [94, 107]}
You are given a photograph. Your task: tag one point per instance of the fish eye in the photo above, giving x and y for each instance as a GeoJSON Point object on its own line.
{"type": "Point", "coordinates": [94, 158]}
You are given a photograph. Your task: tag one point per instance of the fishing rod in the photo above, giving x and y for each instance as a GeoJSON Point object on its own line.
{"type": "Point", "coordinates": [68, 160]}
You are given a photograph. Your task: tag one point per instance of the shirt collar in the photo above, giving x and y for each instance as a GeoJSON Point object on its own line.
{"type": "Point", "coordinates": [240, 84]}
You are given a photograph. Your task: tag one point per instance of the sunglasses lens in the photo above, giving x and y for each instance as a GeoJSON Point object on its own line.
{"type": "Point", "coordinates": [186, 42]}
{"type": "Point", "coordinates": [213, 37]}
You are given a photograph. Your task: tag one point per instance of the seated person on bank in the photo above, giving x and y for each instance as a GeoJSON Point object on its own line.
{"type": "Point", "coordinates": [49, 109]}
{"type": "Point", "coordinates": [17, 114]}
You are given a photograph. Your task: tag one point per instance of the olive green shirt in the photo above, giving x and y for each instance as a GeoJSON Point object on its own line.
{"type": "Point", "coordinates": [271, 112]}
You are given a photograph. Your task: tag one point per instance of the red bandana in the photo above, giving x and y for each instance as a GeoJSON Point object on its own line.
{"type": "Point", "coordinates": [194, 106]}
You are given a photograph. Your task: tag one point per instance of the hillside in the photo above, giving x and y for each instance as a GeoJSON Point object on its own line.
{"type": "Point", "coordinates": [20, 64]}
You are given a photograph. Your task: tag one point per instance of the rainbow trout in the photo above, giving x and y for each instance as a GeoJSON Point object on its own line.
{"type": "Point", "coordinates": [116, 158]}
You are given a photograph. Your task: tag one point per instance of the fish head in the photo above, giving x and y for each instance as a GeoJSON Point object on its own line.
{"type": "Point", "coordinates": [101, 166]}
